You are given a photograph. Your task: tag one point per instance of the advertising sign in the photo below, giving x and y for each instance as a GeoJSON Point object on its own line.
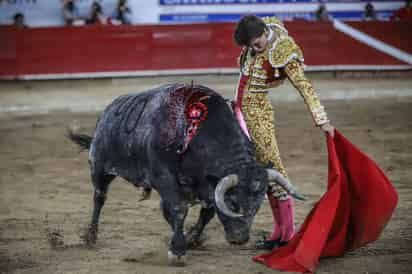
{"type": "Point", "coordinates": [39, 13]}
{"type": "Point", "coordinates": [202, 11]}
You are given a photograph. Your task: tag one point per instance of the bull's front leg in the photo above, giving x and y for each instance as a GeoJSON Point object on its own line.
{"type": "Point", "coordinates": [193, 236]}
{"type": "Point", "coordinates": [207, 212]}
{"type": "Point", "coordinates": [175, 213]}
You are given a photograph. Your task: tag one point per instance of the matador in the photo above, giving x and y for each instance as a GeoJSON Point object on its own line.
{"type": "Point", "coordinates": [269, 56]}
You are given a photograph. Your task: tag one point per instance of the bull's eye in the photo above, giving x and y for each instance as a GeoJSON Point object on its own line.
{"type": "Point", "coordinates": [232, 204]}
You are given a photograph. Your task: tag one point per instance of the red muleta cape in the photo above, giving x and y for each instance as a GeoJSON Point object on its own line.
{"type": "Point", "coordinates": [356, 207]}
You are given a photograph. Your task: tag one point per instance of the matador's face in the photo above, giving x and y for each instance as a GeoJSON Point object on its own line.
{"type": "Point", "coordinates": [259, 43]}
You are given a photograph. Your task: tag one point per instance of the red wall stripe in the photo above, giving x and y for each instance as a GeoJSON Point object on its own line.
{"type": "Point", "coordinates": [163, 47]}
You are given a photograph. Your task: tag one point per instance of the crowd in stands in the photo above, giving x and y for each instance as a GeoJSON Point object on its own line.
{"type": "Point", "coordinates": [72, 17]}
{"type": "Point", "coordinates": [71, 14]}
{"type": "Point", "coordinates": [404, 13]}
{"type": "Point", "coordinates": [18, 21]}
{"type": "Point", "coordinates": [322, 14]}
{"type": "Point", "coordinates": [369, 13]}
{"type": "Point", "coordinates": [122, 14]}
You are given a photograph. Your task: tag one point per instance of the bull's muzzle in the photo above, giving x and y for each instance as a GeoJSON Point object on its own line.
{"type": "Point", "coordinates": [237, 237]}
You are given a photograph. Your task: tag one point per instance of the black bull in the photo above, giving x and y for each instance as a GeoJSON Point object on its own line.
{"type": "Point", "coordinates": [140, 137]}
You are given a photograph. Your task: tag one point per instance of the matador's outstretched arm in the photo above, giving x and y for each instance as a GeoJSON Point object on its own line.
{"type": "Point", "coordinates": [296, 75]}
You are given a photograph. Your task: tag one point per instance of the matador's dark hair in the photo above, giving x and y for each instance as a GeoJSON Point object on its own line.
{"type": "Point", "coordinates": [249, 27]}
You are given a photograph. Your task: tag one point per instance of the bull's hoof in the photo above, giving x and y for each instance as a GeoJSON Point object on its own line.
{"type": "Point", "coordinates": [194, 239]}
{"type": "Point", "coordinates": [193, 243]}
{"type": "Point", "coordinates": [90, 237]}
{"type": "Point", "coordinates": [176, 260]}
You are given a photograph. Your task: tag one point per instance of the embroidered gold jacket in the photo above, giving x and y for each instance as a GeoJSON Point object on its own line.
{"type": "Point", "coordinates": [281, 59]}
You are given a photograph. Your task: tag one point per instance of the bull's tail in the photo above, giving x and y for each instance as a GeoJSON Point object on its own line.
{"type": "Point", "coordinates": [82, 140]}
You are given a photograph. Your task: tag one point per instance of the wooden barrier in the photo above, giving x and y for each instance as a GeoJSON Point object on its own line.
{"type": "Point", "coordinates": [93, 51]}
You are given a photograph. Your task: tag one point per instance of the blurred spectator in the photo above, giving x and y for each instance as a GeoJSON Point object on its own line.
{"type": "Point", "coordinates": [122, 13]}
{"type": "Point", "coordinates": [322, 13]}
{"type": "Point", "coordinates": [370, 13]}
{"type": "Point", "coordinates": [71, 13]}
{"type": "Point", "coordinates": [18, 21]}
{"type": "Point", "coordinates": [404, 13]}
{"type": "Point", "coordinates": [96, 15]}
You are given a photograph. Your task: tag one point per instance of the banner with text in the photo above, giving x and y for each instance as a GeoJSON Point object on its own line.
{"type": "Point", "coordinates": [39, 13]}
{"type": "Point", "coordinates": [200, 11]}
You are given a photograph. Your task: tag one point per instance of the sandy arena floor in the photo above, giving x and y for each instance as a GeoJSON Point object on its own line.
{"type": "Point", "coordinates": [46, 193]}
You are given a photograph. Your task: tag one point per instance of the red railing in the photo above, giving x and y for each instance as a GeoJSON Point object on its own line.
{"type": "Point", "coordinates": [100, 49]}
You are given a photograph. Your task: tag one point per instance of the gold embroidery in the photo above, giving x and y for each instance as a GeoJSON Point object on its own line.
{"type": "Point", "coordinates": [284, 50]}
{"type": "Point", "coordinates": [261, 83]}
{"type": "Point", "coordinates": [248, 63]}
{"type": "Point", "coordinates": [286, 58]}
{"type": "Point", "coordinates": [260, 120]}
{"type": "Point", "coordinates": [275, 24]}
{"type": "Point", "coordinates": [294, 72]}
{"type": "Point", "coordinates": [260, 74]}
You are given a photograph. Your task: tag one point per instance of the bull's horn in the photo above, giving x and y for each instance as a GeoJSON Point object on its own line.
{"type": "Point", "coordinates": [222, 187]}
{"type": "Point", "coordinates": [275, 176]}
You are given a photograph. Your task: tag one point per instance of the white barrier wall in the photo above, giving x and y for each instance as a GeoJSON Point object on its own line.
{"type": "Point", "coordinates": [49, 12]}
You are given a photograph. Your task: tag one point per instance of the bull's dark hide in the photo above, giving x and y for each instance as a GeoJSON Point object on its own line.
{"type": "Point", "coordinates": [140, 137]}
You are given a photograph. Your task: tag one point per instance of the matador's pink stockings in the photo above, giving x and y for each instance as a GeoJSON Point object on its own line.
{"type": "Point", "coordinates": [241, 120]}
{"type": "Point", "coordinates": [283, 218]}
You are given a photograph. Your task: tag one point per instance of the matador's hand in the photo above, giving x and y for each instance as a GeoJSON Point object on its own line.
{"type": "Point", "coordinates": [328, 128]}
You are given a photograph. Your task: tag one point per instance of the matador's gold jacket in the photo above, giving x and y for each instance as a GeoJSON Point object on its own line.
{"type": "Point", "coordinates": [281, 59]}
